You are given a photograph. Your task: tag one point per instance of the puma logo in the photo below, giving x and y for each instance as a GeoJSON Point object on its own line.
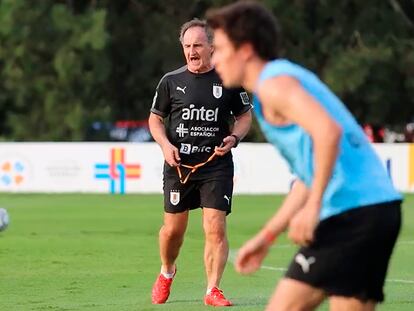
{"type": "Point", "coordinates": [304, 262]}
{"type": "Point", "coordinates": [182, 89]}
{"type": "Point", "coordinates": [228, 199]}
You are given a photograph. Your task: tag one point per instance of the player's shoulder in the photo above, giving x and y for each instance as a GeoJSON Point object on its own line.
{"type": "Point", "coordinates": [171, 75]}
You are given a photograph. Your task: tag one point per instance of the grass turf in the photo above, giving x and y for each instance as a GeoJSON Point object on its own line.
{"type": "Point", "coordinates": [100, 252]}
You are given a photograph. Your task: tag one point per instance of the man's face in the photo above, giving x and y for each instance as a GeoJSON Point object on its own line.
{"type": "Point", "coordinates": [226, 60]}
{"type": "Point", "coordinates": [197, 50]}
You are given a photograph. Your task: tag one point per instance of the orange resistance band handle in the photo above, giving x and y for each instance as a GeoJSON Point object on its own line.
{"type": "Point", "coordinates": [193, 168]}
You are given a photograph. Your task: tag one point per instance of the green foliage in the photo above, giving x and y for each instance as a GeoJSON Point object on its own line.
{"type": "Point", "coordinates": [361, 49]}
{"type": "Point", "coordinates": [65, 64]}
{"type": "Point", "coordinates": [54, 68]}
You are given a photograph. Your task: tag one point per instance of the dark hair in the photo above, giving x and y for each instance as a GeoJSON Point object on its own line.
{"type": "Point", "coordinates": [247, 21]}
{"type": "Point", "coordinates": [195, 22]}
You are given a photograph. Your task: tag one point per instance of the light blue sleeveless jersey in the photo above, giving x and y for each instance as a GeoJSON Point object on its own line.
{"type": "Point", "coordinates": [359, 178]}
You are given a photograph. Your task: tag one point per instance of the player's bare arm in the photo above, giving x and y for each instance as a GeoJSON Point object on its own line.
{"type": "Point", "coordinates": [285, 98]}
{"type": "Point", "coordinates": [157, 129]}
{"type": "Point", "coordinates": [240, 129]}
{"type": "Point", "coordinates": [255, 250]}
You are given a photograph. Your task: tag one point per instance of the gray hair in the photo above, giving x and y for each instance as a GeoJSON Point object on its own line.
{"type": "Point", "coordinates": [197, 23]}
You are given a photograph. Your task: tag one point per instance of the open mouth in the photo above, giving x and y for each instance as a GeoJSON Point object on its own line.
{"type": "Point", "coordinates": [194, 59]}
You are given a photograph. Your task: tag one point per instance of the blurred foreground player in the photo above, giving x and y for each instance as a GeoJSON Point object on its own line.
{"type": "Point", "coordinates": [343, 209]}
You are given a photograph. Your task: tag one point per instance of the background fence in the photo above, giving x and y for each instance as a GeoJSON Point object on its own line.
{"type": "Point", "coordinates": [137, 167]}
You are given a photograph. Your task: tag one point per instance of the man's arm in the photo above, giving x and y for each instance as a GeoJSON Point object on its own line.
{"type": "Point", "coordinates": [284, 96]}
{"type": "Point", "coordinates": [240, 129]}
{"type": "Point", "coordinates": [157, 129]}
{"type": "Point", "coordinates": [252, 253]}
{"type": "Point", "coordinates": [242, 124]}
{"type": "Point", "coordinates": [293, 202]}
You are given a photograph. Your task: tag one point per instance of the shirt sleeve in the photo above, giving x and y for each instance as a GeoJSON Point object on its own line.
{"type": "Point", "coordinates": [241, 102]}
{"type": "Point", "coordinates": [161, 104]}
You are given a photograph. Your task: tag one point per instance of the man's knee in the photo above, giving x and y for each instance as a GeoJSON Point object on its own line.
{"type": "Point", "coordinates": [216, 237]}
{"type": "Point", "coordinates": [171, 232]}
{"type": "Point", "coordinates": [174, 226]}
{"type": "Point", "coordinates": [215, 227]}
{"type": "Point", "coordinates": [215, 231]}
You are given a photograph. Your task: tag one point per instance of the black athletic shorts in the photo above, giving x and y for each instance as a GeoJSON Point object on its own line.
{"type": "Point", "coordinates": [351, 251]}
{"type": "Point", "coordinates": [212, 192]}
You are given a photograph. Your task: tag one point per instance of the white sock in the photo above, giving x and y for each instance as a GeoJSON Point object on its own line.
{"type": "Point", "coordinates": [168, 275]}
{"type": "Point", "coordinates": [208, 291]}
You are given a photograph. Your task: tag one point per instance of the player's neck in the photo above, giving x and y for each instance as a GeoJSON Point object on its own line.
{"type": "Point", "coordinates": [252, 71]}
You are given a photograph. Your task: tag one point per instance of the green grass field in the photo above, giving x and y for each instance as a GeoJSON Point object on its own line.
{"type": "Point", "coordinates": [100, 252]}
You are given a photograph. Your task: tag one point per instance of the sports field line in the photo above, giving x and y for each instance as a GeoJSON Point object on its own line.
{"type": "Point", "coordinates": [233, 252]}
{"type": "Point", "coordinates": [405, 242]}
{"type": "Point", "coordinates": [400, 281]}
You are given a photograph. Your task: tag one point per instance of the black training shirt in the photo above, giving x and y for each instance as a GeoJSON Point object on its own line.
{"type": "Point", "coordinates": [199, 113]}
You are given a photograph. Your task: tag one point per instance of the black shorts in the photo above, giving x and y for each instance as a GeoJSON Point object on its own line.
{"type": "Point", "coordinates": [351, 251]}
{"type": "Point", "coordinates": [214, 192]}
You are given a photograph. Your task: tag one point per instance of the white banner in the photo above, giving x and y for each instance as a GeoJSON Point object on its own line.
{"type": "Point", "coordinates": [80, 167]}
{"type": "Point", "coordinates": [258, 168]}
{"type": "Point", "coordinates": [137, 167]}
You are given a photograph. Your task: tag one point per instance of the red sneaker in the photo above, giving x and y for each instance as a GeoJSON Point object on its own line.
{"type": "Point", "coordinates": [216, 298]}
{"type": "Point", "coordinates": [161, 289]}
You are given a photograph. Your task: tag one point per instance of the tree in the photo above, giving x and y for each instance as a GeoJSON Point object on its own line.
{"type": "Point", "coordinates": [54, 66]}
{"type": "Point", "coordinates": [362, 49]}
{"type": "Point", "coordinates": [67, 63]}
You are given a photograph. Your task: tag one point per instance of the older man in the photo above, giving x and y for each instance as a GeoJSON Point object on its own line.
{"type": "Point", "coordinates": [205, 120]}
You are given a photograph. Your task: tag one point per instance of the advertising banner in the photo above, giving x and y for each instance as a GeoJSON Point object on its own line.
{"type": "Point", "coordinates": [120, 168]}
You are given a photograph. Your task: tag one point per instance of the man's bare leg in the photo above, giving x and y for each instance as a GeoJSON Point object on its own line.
{"type": "Point", "coordinates": [171, 238]}
{"type": "Point", "coordinates": [339, 303]}
{"type": "Point", "coordinates": [292, 295]}
{"type": "Point", "coordinates": [216, 248]}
